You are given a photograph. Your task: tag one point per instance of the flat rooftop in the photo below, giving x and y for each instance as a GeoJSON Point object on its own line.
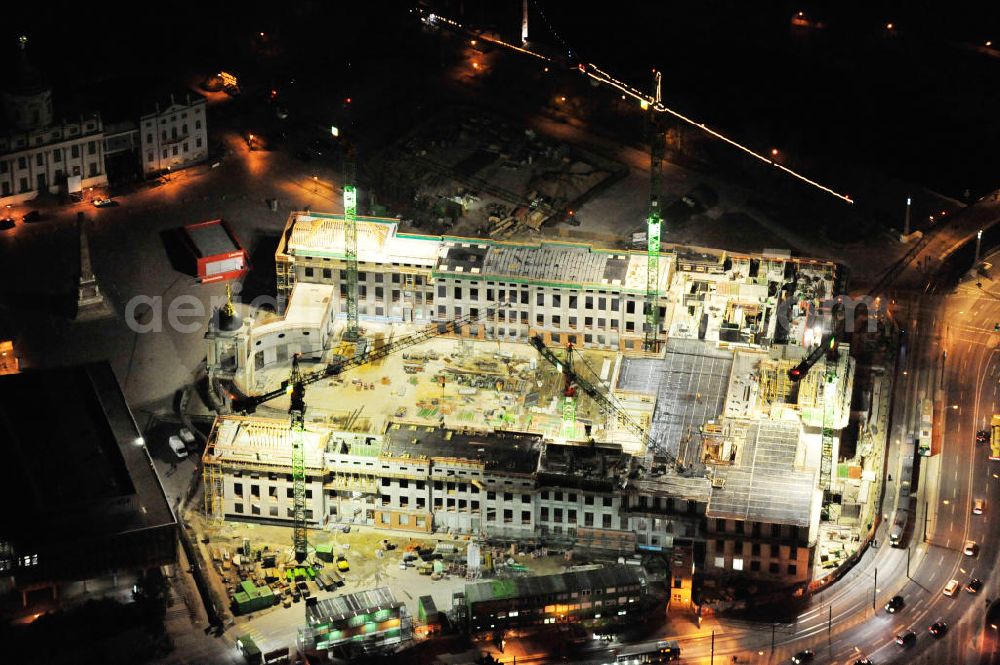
{"type": "Point", "coordinates": [546, 585]}
{"type": "Point", "coordinates": [690, 383]}
{"type": "Point", "coordinates": [765, 485]}
{"type": "Point", "coordinates": [308, 304]}
{"type": "Point", "coordinates": [515, 452]}
{"type": "Point", "coordinates": [72, 467]}
{"type": "Point", "coordinates": [211, 238]}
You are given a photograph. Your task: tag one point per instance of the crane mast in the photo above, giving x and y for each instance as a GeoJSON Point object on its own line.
{"type": "Point", "coordinates": [351, 332]}
{"type": "Point", "coordinates": [297, 411]}
{"type": "Point", "coordinates": [653, 224]}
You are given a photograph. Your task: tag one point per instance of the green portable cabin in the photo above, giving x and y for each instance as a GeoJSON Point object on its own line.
{"type": "Point", "coordinates": [427, 611]}
{"type": "Point", "coordinates": [325, 552]}
{"type": "Point", "coordinates": [249, 649]}
{"type": "Point", "coordinates": [242, 603]}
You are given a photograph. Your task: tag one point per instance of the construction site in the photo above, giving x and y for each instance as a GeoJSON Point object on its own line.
{"type": "Point", "coordinates": [530, 400]}
{"type": "Point", "coordinates": [467, 172]}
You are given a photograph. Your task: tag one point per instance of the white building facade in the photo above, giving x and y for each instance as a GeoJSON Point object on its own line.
{"type": "Point", "coordinates": [173, 133]}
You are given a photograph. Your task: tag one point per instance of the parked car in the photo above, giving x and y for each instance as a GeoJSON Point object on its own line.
{"type": "Point", "coordinates": [189, 439]}
{"type": "Point", "coordinates": [906, 639]}
{"type": "Point", "coordinates": [104, 202]}
{"type": "Point", "coordinates": [974, 585]}
{"type": "Point", "coordinates": [178, 447]}
{"type": "Point", "coordinates": [864, 661]}
{"type": "Point", "coordinates": [31, 216]}
{"type": "Point", "coordinates": [895, 604]}
{"type": "Point", "coordinates": [938, 628]}
{"type": "Point", "coordinates": [7, 223]}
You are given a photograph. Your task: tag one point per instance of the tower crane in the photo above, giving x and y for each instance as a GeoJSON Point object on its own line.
{"type": "Point", "coordinates": [653, 223]}
{"type": "Point", "coordinates": [827, 347]}
{"type": "Point", "coordinates": [352, 331]}
{"type": "Point", "coordinates": [575, 382]}
{"type": "Point", "coordinates": [295, 388]}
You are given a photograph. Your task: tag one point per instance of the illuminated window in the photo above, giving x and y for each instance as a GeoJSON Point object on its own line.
{"type": "Point", "coordinates": [720, 562]}
{"type": "Point", "coordinates": [737, 564]}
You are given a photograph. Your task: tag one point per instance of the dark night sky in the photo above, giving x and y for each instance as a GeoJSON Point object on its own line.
{"type": "Point", "coordinates": [918, 104]}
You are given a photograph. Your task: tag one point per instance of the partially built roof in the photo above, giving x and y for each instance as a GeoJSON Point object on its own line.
{"type": "Point", "coordinates": [514, 452]}
{"type": "Point", "coordinates": [322, 235]}
{"type": "Point", "coordinates": [260, 441]}
{"type": "Point", "coordinates": [690, 386]}
{"type": "Point", "coordinates": [765, 485]}
{"type": "Point", "coordinates": [541, 586]}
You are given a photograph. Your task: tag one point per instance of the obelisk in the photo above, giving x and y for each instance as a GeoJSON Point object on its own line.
{"type": "Point", "coordinates": [91, 304]}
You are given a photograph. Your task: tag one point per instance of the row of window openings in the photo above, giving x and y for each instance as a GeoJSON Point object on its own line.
{"type": "Point", "coordinates": [720, 546]}
{"type": "Point", "coordinates": [173, 150]}
{"type": "Point", "coordinates": [442, 292]}
{"type": "Point", "coordinates": [272, 492]}
{"type": "Point", "coordinates": [56, 135]}
{"type": "Point", "coordinates": [22, 161]}
{"type": "Point", "coordinates": [173, 118]}
{"type": "Point", "coordinates": [23, 185]}
{"type": "Point", "coordinates": [173, 132]}
{"type": "Point", "coordinates": [272, 511]}
{"type": "Point", "coordinates": [773, 568]}
{"type": "Point", "coordinates": [755, 528]}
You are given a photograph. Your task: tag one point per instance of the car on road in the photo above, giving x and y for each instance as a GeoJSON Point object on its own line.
{"type": "Point", "coordinates": [951, 588]}
{"type": "Point", "coordinates": [982, 436]}
{"type": "Point", "coordinates": [974, 585]}
{"type": "Point", "coordinates": [104, 202]}
{"type": "Point", "coordinates": [864, 661]}
{"type": "Point", "coordinates": [978, 506]}
{"type": "Point", "coordinates": [906, 639]}
{"type": "Point", "coordinates": [971, 548]}
{"type": "Point", "coordinates": [177, 446]}
{"type": "Point", "coordinates": [805, 656]}
{"type": "Point", "coordinates": [7, 223]}
{"type": "Point", "coordinates": [31, 216]}
{"type": "Point", "coordinates": [895, 604]}
{"type": "Point", "coordinates": [938, 628]}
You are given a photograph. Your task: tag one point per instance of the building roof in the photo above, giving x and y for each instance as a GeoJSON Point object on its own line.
{"type": "Point", "coordinates": [351, 605]}
{"type": "Point", "coordinates": [266, 442]}
{"type": "Point", "coordinates": [690, 383]}
{"type": "Point", "coordinates": [72, 466]}
{"type": "Point", "coordinates": [514, 452]}
{"type": "Point", "coordinates": [766, 485]}
{"type": "Point", "coordinates": [163, 98]}
{"type": "Point", "coordinates": [572, 265]}
{"type": "Point", "coordinates": [597, 466]}
{"type": "Point", "coordinates": [544, 585]}
{"type": "Point", "coordinates": [212, 238]}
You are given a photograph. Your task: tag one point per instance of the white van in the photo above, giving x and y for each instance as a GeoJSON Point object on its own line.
{"type": "Point", "coordinates": [951, 588]}
{"type": "Point", "coordinates": [177, 446]}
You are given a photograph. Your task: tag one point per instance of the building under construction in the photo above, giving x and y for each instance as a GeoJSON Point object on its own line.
{"type": "Point", "coordinates": [714, 402]}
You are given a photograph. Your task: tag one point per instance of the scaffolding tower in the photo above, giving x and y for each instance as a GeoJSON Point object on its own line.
{"type": "Point", "coordinates": [297, 410]}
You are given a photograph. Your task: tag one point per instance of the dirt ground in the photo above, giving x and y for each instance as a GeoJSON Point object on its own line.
{"type": "Point", "coordinates": [501, 385]}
